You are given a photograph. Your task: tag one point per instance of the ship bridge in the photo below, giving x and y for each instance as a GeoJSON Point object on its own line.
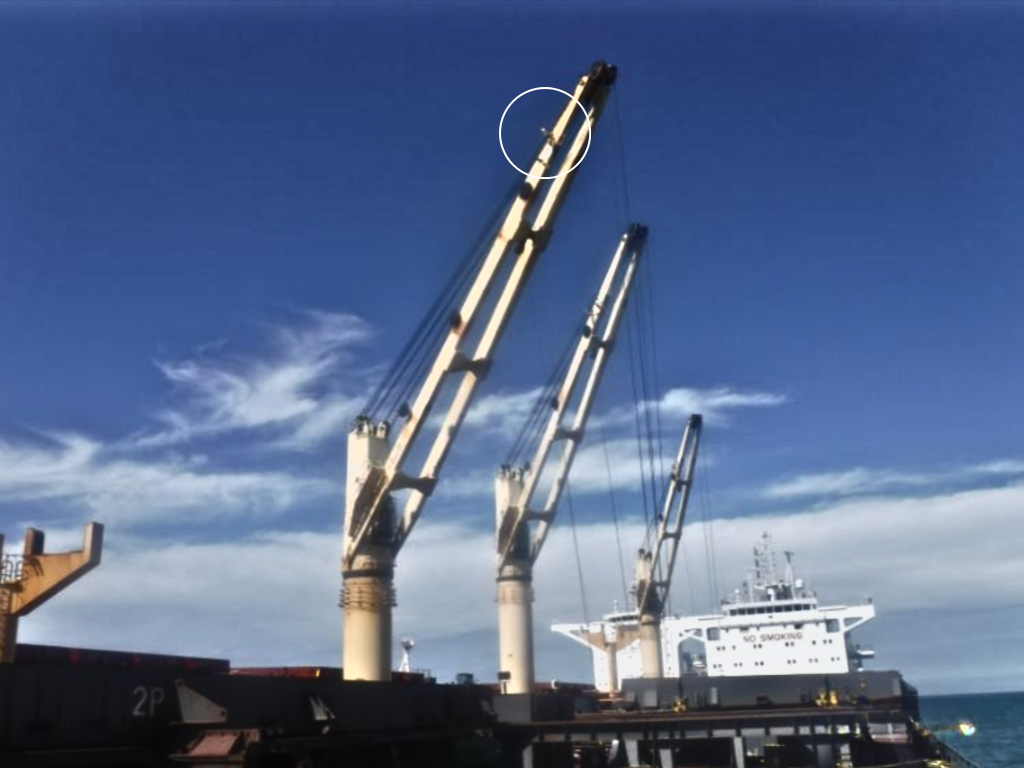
{"type": "Point", "coordinates": [772, 625]}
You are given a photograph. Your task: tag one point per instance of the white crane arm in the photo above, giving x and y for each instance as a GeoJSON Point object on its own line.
{"type": "Point", "coordinates": [372, 490]}
{"type": "Point", "coordinates": [651, 591]}
{"type": "Point", "coordinates": [520, 513]}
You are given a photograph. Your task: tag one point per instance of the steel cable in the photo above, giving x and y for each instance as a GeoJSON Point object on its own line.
{"type": "Point", "coordinates": [406, 372]}
{"type": "Point", "coordinates": [576, 547]}
{"type": "Point", "coordinates": [615, 518]}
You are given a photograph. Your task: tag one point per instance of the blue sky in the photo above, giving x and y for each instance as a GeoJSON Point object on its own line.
{"type": "Point", "coordinates": [218, 224]}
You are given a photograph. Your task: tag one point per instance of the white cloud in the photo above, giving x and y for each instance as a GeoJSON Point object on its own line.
{"type": "Point", "coordinates": [843, 483]}
{"type": "Point", "coordinates": [289, 389]}
{"type": "Point", "coordinates": [592, 472]}
{"type": "Point", "coordinates": [466, 485]}
{"type": "Point", "coordinates": [608, 464]}
{"type": "Point", "coordinates": [507, 412]}
{"type": "Point", "coordinates": [330, 421]}
{"type": "Point", "coordinates": [999, 467]}
{"type": "Point", "coordinates": [79, 472]}
{"type": "Point", "coordinates": [504, 412]}
{"type": "Point", "coordinates": [861, 481]}
{"type": "Point", "coordinates": [271, 599]}
{"type": "Point", "coordinates": [955, 549]}
{"type": "Point", "coordinates": [715, 404]}
{"type": "Point", "coordinates": [939, 554]}
{"type": "Point", "coordinates": [267, 599]}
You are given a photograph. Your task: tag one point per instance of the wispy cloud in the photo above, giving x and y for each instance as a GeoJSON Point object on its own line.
{"type": "Point", "coordinates": [607, 459]}
{"type": "Point", "coordinates": [289, 390]}
{"type": "Point", "coordinates": [82, 474]}
{"type": "Point", "coordinates": [999, 467]}
{"type": "Point", "coordinates": [716, 404]}
{"type": "Point", "coordinates": [901, 551]}
{"type": "Point", "coordinates": [504, 412]}
{"type": "Point", "coordinates": [599, 466]}
{"type": "Point", "coordinates": [843, 483]}
{"type": "Point", "coordinates": [859, 481]}
{"type": "Point", "coordinates": [507, 411]}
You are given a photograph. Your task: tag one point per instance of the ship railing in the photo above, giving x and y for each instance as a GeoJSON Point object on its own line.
{"type": "Point", "coordinates": [11, 568]}
{"type": "Point", "coordinates": [957, 758]}
{"type": "Point", "coordinates": [943, 748]}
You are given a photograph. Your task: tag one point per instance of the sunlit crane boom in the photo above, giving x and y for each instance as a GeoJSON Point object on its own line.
{"type": "Point", "coordinates": [374, 532]}
{"type": "Point", "coordinates": [654, 566]}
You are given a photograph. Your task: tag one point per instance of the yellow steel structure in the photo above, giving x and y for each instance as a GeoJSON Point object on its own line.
{"type": "Point", "coordinates": [30, 581]}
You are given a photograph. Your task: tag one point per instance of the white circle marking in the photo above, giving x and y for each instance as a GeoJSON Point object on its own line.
{"type": "Point", "coordinates": [586, 119]}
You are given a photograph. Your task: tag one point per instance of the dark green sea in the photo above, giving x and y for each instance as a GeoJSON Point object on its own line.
{"type": "Point", "coordinates": [999, 718]}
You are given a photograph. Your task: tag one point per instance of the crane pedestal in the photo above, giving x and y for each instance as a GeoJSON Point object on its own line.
{"type": "Point", "coordinates": [650, 645]}
{"type": "Point", "coordinates": [368, 590]}
{"type": "Point", "coordinates": [515, 625]}
{"type": "Point", "coordinates": [367, 599]}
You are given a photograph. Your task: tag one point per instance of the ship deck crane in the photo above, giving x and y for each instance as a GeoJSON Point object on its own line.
{"type": "Point", "coordinates": [376, 466]}
{"type": "Point", "coordinates": [522, 528]}
{"type": "Point", "coordinates": [654, 566]}
{"type": "Point", "coordinates": [29, 580]}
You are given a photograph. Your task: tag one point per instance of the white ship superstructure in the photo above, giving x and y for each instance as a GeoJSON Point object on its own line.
{"type": "Point", "coordinates": [771, 626]}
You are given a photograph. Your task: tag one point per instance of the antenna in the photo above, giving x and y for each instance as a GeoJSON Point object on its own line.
{"type": "Point", "coordinates": [407, 645]}
{"type": "Point", "coordinates": [789, 567]}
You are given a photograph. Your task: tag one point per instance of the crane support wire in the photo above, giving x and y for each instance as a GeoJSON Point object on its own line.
{"type": "Point", "coordinates": [687, 573]}
{"type": "Point", "coordinates": [529, 434]}
{"type": "Point", "coordinates": [705, 476]}
{"type": "Point", "coordinates": [649, 280]}
{"type": "Point", "coordinates": [615, 518]}
{"type": "Point", "coordinates": [576, 547]}
{"type": "Point", "coordinates": [705, 518]}
{"type": "Point", "coordinates": [650, 398]}
{"type": "Point", "coordinates": [650, 314]}
{"type": "Point", "coordinates": [637, 422]}
{"type": "Point", "coordinates": [617, 98]}
{"type": "Point", "coordinates": [532, 430]}
{"type": "Point", "coordinates": [643, 403]}
{"type": "Point", "coordinates": [414, 347]}
{"type": "Point", "coordinates": [410, 362]}
{"type": "Point", "coordinates": [430, 333]}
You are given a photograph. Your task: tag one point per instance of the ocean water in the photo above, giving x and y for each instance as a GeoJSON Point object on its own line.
{"type": "Point", "coordinates": [999, 718]}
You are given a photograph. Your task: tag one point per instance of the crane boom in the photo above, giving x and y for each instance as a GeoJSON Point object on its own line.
{"type": "Point", "coordinates": [374, 533]}
{"type": "Point", "coordinates": [515, 488]}
{"type": "Point", "coordinates": [655, 566]}
{"type": "Point", "coordinates": [377, 483]}
{"type": "Point", "coordinates": [597, 349]}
